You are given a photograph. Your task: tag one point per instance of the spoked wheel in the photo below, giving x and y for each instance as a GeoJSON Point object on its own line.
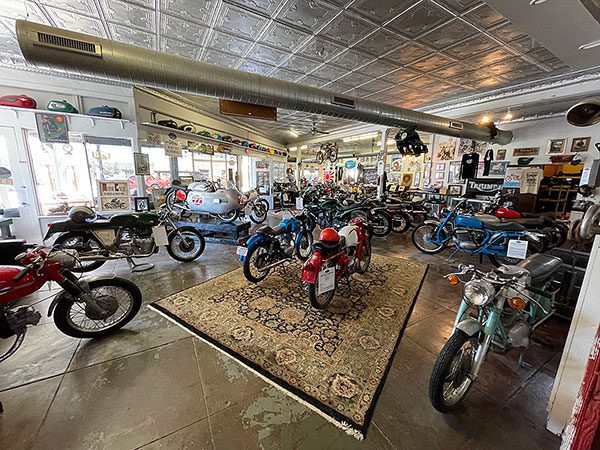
{"type": "Point", "coordinates": [363, 265]}
{"type": "Point", "coordinates": [320, 301]}
{"type": "Point", "coordinates": [422, 236]}
{"type": "Point", "coordinates": [400, 222]}
{"type": "Point", "coordinates": [265, 204]}
{"type": "Point", "coordinates": [450, 382]}
{"type": "Point", "coordinates": [304, 246]}
{"type": "Point", "coordinates": [119, 299]}
{"type": "Point", "coordinates": [382, 224]}
{"type": "Point", "coordinates": [85, 244]}
{"type": "Point", "coordinates": [257, 258]}
{"type": "Point", "coordinates": [229, 217]}
{"type": "Point", "coordinates": [185, 244]}
{"type": "Point", "coordinates": [258, 214]}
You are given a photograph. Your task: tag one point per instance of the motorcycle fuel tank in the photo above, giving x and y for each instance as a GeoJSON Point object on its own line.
{"type": "Point", "coordinates": [137, 220]}
{"type": "Point", "coordinates": [12, 290]}
{"type": "Point", "coordinates": [350, 234]}
{"type": "Point", "coordinates": [508, 213]}
{"type": "Point", "coordinates": [468, 222]}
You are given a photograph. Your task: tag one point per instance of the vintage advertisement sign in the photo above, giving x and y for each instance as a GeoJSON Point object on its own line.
{"type": "Point", "coordinates": [172, 147]}
{"type": "Point", "coordinates": [141, 161]}
{"type": "Point", "coordinates": [153, 138]}
{"type": "Point", "coordinates": [113, 196]}
{"type": "Point", "coordinates": [512, 178]}
{"type": "Point", "coordinates": [52, 128]}
{"type": "Point", "coordinates": [526, 151]}
{"type": "Point", "coordinates": [484, 186]}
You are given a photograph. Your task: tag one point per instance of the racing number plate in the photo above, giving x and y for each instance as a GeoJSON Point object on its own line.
{"type": "Point", "coordinates": [160, 236]}
{"type": "Point", "coordinates": [326, 280]}
{"type": "Point", "coordinates": [242, 251]}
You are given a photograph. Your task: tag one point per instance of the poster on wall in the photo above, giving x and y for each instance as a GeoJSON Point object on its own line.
{"type": "Point", "coordinates": [526, 151]}
{"type": "Point", "coordinates": [501, 154]}
{"type": "Point", "coordinates": [153, 138]}
{"type": "Point", "coordinates": [172, 148]}
{"type": "Point", "coordinates": [396, 163]}
{"type": "Point", "coordinates": [454, 172]}
{"type": "Point", "coordinates": [113, 196]}
{"type": "Point", "coordinates": [52, 128]}
{"type": "Point", "coordinates": [417, 179]}
{"type": "Point", "coordinates": [407, 179]}
{"type": "Point", "coordinates": [370, 176]}
{"type": "Point", "coordinates": [556, 146]}
{"type": "Point", "coordinates": [498, 168]}
{"type": "Point", "coordinates": [446, 149]}
{"type": "Point", "coordinates": [580, 144]}
{"type": "Point", "coordinates": [480, 147]}
{"type": "Point", "coordinates": [512, 177]}
{"type": "Point", "coordinates": [141, 162]}
{"type": "Point", "coordinates": [464, 146]}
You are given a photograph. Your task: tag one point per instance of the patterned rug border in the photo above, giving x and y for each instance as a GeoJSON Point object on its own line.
{"type": "Point", "coordinates": [332, 416]}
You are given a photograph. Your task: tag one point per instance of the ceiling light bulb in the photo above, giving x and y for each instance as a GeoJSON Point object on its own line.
{"type": "Point", "coordinates": [508, 116]}
{"type": "Point", "coordinates": [293, 149]}
{"type": "Point", "coordinates": [304, 147]}
{"type": "Point", "coordinates": [485, 119]}
{"type": "Point", "coordinates": [293, 133]}
{"type": "Point", "coordinates": [589, 45]}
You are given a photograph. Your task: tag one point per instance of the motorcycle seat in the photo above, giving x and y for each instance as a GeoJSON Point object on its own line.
{"type": "Point", "coordinates": [496, 225]}
{"type": "Point", "coordinates": [328, 248]}
{"type": "Point", "coordinates": [541, 267]}
{"type": "Point", "coordinates": [531, 222]}
{"type": "Point", "coordinates": [98, 223]}
{"type": "Point", "coordinates": [266, 229]}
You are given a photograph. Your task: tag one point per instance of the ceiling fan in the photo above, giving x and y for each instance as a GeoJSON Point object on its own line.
{"type": "Point", "coordinates": [314, 130]}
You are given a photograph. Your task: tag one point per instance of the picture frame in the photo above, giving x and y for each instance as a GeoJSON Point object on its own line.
{"type": "Point", "coordinates": [417, 179]}
{"type": "Point", "coordinates": [440, 167]}
{"type": "Point", "coordinates": [439, 176]}
{"type": "Point", "coordinates": [580, 144]}
{"type": "Point", "coordinates": [556, 146]}
{"type": "Point", "coordinates": [501, 155]}
{"type": "Point", "coordinates": [141, 204]}
{"type": "Point", "coordinates": [407, 179]}
{"type": "Point", "coordinates": [498, 168]}
{"type": "Point", "coordinates": [446, 149]}
{"type": "Point", "coordinates": [526, 151]}
{"type": "Point", "coordinates": [455, 189]}
{"type": "Point", "coordinates": [113, 196]}
{"type": "Point", "coordinates": [454, 172]}
{"type": "Point", "coordinates": [141, 161]}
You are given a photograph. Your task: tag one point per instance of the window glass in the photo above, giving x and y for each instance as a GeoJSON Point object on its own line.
{"type": "Point", "coordinates": [262, 176]}
{"type": "Point", "coordinates": [246, 171]}
{"type": "Point", "coordinates": [160, 168]}
{"type": "Point", "coordinates": [202, 167]}
{"type": "Point", "coordinates": [278, 171]}
{"type": "Point", "coordinates": [110, 159]}
{"type": "Point", "coordinates": [219, 168]}
{"type": "Point", "coordinates": [8, 194]}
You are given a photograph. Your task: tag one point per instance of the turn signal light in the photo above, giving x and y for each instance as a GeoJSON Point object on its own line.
{"type": "Point", "coordinates": [453, 280]}
{"type": "Point", "coordinates": [517, 303]}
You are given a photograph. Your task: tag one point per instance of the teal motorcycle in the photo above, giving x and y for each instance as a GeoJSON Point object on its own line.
{"type": "Point", "coordinates": [508, 304]}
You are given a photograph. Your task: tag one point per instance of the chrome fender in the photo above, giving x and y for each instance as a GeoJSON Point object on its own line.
{"type": "Point", "coordinates": [84, 285]}
{"type": "Point", "coordinates": [431, 222]}
{"type": "Point", "coordinates": [470, 326]}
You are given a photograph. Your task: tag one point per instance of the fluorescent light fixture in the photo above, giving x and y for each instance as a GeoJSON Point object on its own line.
{"type": "Point", "coordinates": [590, 45]}
{"type": "Point", "coordinates": [293, 133]}
{"type": "Point", "coordinates": [303, 147]}
{"type": "Point", "coordinates": [361, 137]}
{"type": "Point", "coordinates": [293, 149]}
{"type": "Point", "coordinates": [536, 2]}
{"type": "Point", "coordinates": [391, 142]}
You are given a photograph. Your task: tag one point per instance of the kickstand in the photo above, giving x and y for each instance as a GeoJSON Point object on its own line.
{"type": "Point", "coordinates": [522, 363]}
{"type": "Point", "coordinates": [134, 267]}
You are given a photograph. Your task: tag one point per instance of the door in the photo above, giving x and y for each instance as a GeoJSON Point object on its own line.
{"type": "Point", "coordinates": [16, 190]}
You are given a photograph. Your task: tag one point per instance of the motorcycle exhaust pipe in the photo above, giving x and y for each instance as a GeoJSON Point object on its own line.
{"type": "Point", "coordinates": [109, 258]}
{"type": "Point", "coordinates": [275, 264]}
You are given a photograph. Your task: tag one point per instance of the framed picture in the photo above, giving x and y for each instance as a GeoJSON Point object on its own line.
{"type": "Point", "coordinates": [417, 179]}
{"type": "Point", "coordinates": [455, 189]}
{"type": "Point", "coordinates": [113, 196]}
{"type": "Point", "coordinates": [141, 204]}
{"type": "Point", "coordinates": [141, 162]}
{"type": "Point", "coordinates": [480, 147]}
{"type": "Point", "coordinates": [446, 149]}
{"type": "Point", "coordinates": [527, 151]}
{"type": "Point", "coordinates": [454, 172]}
{"type": "Point", "coordinates": [440, 167]}
{"type": "Point", "coordinates": [464, 146]}
{"type": "Point", "coordinates": [407, 179]}
{"type": "Point", "coordinates": [52, 128]}
{"type": "Point", "coordinates": [556, 146]}
{"type": "Point", "coordinates": [501, 154]}
{"type": "Point", "coordinates": [580, 144]}
{"type": "Point", "coordinates": [498, 168]}
{"type": "Point", "coordinates": [439, 176]}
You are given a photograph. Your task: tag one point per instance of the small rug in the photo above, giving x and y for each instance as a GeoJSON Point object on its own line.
{"type": "Point", "coordinates": [334, 360]}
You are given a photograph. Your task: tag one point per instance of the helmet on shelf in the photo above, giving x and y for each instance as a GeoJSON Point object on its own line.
{"type": "Point", "coordinates": [329, 235]}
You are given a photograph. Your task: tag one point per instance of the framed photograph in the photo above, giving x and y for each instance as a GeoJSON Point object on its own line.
{"type": "Point", "coordinates": [454, 172]}
{"type": "Point", "coordinates": [52, 128]}
{"type": "Point", "coordinates": [141, 162]}
{"type": "Point", "coordinates": [141, 204]}
{"type": "Point", "coordinates": [439, 176]}
{"type": "Point", "coordinates": [407, 179]}
{"type": "Point", "coordinates": [113, 196]}
{"type": "Point", "coordinates": [556, 146]}
{"type": "Point", "coordinates": [440, 167]}
{"type": "Point", "coordinates": [498, 168]}
{"type": "Point", "coordinates": [480, 147]}
{"type": "Point", "coordinates": [417, 179]}
{"type": "Point", "coordinates": [464, 146]}
{"type": "Point", "coordinates": [455, 189]}
{"type": "Point", "coordinates": [527, 151]}
{"type": "Point", "coordinates": [501, 154]}
{"type": "Point", "coordinates": [580, 144]}
{"type": "Point", "coordinates": [446, 149]}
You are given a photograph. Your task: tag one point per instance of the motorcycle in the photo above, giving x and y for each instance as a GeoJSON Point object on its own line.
{"type": "Point", "coordinates": [474, 236]}
{"type": "Point", "coordinates": [336, 255]}
{"type": "Point", "coordinates": [85, 308]}
{"type": "Point", "coordinates": [270, 247]}
{"type": "Point", "coordinates": [509, 303]}
{"type": "Point", "coordinates": [125, 235]}
{"type": "Point", "coordinates": [254, 207]}
{"type": "Point", "coordinates": [284, 194]}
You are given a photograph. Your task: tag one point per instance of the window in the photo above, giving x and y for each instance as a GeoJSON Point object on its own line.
{"type": "Point", "coordinates": [8, 194]}
{"type": "Point", "coordinates": [110, 159]}
{"type": "Point", "coordinates": [278, 171]}
{"type": "Point", "coordinates": [160, 168]}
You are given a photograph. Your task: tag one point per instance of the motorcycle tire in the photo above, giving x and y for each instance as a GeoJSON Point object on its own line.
{"type": "Point", "coordinates": [445, 361]}
{"type": "Point", "coordinates": [307, 239]}
{"type": "Point", "coordinates": [400, 222]}
{"type": "Point", "coordinates": [87, 238]}
{"type": "Point", "coordinates": [367, 258]}
{"type": "Point", "coordinates": [418, 244]}
{"type": "Point", "coordinates": [265, 203]}
{"type": "Point", "coordinates": [62, 312]}
{"type": "Point", "coordinates": [248, 261]}
{"type": "Point", "coordinates": [229, 218]}
{"type": "Point", "coordinates": [320, 157]}
{"type": "Point", "coordinates": [258, 214]}
{"type": "Point", "coordinates": [182, 246]}
{"type": "Point", "coordinates": [310, 223]}
{"type": "Point", "coordinates": [382, 223]}
{"type": "Point", "coordinates": [319, 301]}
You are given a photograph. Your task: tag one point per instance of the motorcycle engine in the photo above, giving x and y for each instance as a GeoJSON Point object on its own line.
{"type": "Point", "coordinates": [518, 335]}
{"type": "Point", "coordinates": [287, 244]}
{"type": "Point", "coordinates": [15, 321]}
{"type": "Point", "coordinates": [137, 245]}
{"type": "Point", "coordinates": [468, 239]}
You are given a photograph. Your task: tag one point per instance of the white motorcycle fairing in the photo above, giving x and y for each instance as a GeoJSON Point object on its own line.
{"type": "Point", "coordinates": [221, 201]}
{"type": "Point", "coordinates": [350, 234]}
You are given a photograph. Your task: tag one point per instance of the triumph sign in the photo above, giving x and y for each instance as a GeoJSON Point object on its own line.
{"type": "Point", "coordinates": [484, 186]}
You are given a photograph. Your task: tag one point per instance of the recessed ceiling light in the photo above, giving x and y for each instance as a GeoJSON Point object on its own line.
{"type": "Point", "coordinates": [293, 133]}
{"type": "Point", "coordinates": [536, 2]}
{"type": "Point", "coordinates": [589, 45]}
{"type": "Point", "coordinates": [485, 119]}
{"type": "Point", "coordinates": [508, 116]}
{"type": "Point", "coordinates": [293, 149]}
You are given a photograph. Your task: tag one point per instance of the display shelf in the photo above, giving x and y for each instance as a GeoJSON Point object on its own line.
{"type": "Point", "coordinates": [206, 140]}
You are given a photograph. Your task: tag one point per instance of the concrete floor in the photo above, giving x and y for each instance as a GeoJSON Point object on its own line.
{"type": "Point", "coordinates": [153, 386]}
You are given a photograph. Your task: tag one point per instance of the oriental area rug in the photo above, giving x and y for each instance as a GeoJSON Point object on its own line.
{"type": "Point", "coordinates": [336, 360]}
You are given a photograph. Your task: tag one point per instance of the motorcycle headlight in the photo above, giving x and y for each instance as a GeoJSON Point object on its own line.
{"type": "Point", "coordinates": [479, 292]}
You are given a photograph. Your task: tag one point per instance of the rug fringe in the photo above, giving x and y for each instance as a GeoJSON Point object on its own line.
{"type": "Point", "coordinates": [349, 429]}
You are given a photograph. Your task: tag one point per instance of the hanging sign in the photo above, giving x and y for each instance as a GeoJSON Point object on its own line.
{"type": "Point", "coordinates": [172, 147]}
{"type": "Point", "coordinates": [350, 164]}
{"type": "Point", "coordinates": [52, 128]}
{"type": "Point", "coordinates": [380, 167]}
{"type": "Point", "coordinates": [153, 138]}
{"type": "Point", "coordinates": [484, 186]}
{"type": "Point", "coordinates": [526, 151]}
{"type": "Point", "coordinates": [141, 161]}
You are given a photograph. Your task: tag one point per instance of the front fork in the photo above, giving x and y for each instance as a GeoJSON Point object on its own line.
{"type": "Point", "coordinates": [74, 287]}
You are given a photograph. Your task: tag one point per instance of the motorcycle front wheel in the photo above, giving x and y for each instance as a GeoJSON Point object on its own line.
{"type": "Point", "coordinates": [449, 383]}
{"type": "Point", "coordinates": [320, 301]}
{"type": "Point", "coordinates": [304, 246]}
{"type": "Point", "coordinates": [255, 260]}
{"type": "Point", "coordinates": [382, 224]}
{"type": "Point", "coordinates": [363, 265]}
{"type": "Point", "coordinates": [258, 214]}
{"type": "Point", "coordinates": [82, 242]}
{"type": "Point", "coordinates": [265, 203]}
{"type": "Point", "coordinates": [229, 217]}
{"type": "Point", "coordinates": [400, 222]}
{"type": "Point", "coordinates": [420, 236]}
{"type": "Point", "coordinates": [120, 298]}
{"type": "Point", "coordinates": [187, 247]}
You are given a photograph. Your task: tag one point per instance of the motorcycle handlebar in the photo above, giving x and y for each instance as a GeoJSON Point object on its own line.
{"type": "Point", "coordinates": [21, 274]}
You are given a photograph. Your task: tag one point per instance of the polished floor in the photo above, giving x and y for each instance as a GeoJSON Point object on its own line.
{"type": "Point", "coordinates": [153, 386]}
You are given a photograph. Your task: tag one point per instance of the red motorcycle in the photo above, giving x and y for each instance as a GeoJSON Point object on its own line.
{"type": "Point", "coordinates": [336, 255]}
{"type": "Point", "coordinates": [86, 308]}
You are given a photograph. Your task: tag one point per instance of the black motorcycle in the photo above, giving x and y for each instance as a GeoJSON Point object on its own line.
{"type": "Point", "coordinates": [285, 194]}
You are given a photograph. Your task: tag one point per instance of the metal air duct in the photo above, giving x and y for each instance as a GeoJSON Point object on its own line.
{"type": "Point", "coordinates": [102, 58]}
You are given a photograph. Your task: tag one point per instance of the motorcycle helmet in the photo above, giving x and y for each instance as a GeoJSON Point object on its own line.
{"type": "Point", "coordinates": [167, 123]}
{"type": "Point", "coordinates": [190, 128]}
{"type": "Point", "coordinates": [80, 214]}
{"type": "Point", "coordinates": [329, 235]}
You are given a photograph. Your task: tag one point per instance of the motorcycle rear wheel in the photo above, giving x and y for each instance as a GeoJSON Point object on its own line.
{"type": "Point", "coordinates": [229, 217]}
{"type": "Point", "coordinates": [320, 301]}
{"type": "Point", "coordinates": [419, 236]}
{"type": "Point", "coordinates": [80, 242]}
{"type": "Point", "coordinates": [304, 246]}
{"type": "Point", "coordinates": [382, 224]}
{"type": "Point", "coordinates": [363, 265]}
{"type": "Point", "coordinates": [259, 213]}
{"type": "Point", "coordinates": [400, 222]}
{"type": "Point", "coordinates": [68, 312]}
{"type": "Point", "coordinates": [185, 251]}
{"type": "Point", "coordinates": [256, 258]}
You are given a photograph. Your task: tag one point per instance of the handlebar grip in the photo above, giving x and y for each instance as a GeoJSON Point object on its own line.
{"type": "Point", "coordinates": [539, 291]}
{"type": "Point", "coordinates": [21, 274]}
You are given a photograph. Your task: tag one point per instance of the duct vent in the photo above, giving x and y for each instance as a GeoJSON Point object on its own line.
{"type": "Point", "coordinates": [341, 101]}
{"type": "Point", "coordinates": [456, 125]}
{"type": "Point", "coordinates": [73, 45]}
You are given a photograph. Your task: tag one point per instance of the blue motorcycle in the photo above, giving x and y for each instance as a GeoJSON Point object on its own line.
{"type": "Point", "coordinates": [270, 247]}
{"type": "Point", "coordinates": [474, 235]}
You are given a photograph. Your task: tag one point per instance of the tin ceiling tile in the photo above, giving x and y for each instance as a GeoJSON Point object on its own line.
{"type": "Point", "coordinates": [460, 6]}
{"type": "Point", "coordinates": [266, 54]}
{"type": "Point", "coordinates": [177, 47]}
{"type": "Point", "coordinates": [128, 14]}
{"type": "Point", "coordinates": [434, 62]}
{"type": "Point", "coordinates": [485, 59]}
{"type": "Point", "coordinates": [182, 29]}
{"type": "Point", "coordinates": [354, 79]}
{"type": "Point", "coordinates": [541, 55]}
{"type": "Point", "coordinates": [509, 65]}
{"type": "Point", "coordinates": [312, 81]}
{"type": "Point", "coordinates": [8, 40]}
{"type": "Point", "coordinates": [322, 49]}
{"type": "Point", "coordinates": [377, 85]}
{"type": "Point", "coordinates": [240, 21]}
{"type": "Point", "coordinates": [225, 42]}
{"type": "Point", "coordinates": [308, 14]}
{"type": "Point", "coordinates": [301, 63]}
{"type": "Point", "coordinates": [438, 88]}
{"type": "Point", "coordinates": [17, 10]}
{"type": "Point", "coordinates": [197, 10]}
{"type": "Point", "coordinates": [255, 67]}
{"type": "Point", "coordinates": [451, 70]}
{"type": "Point", "coordinates": [383, 96]}
{"type": "Point", "coordinates": [221, 59]}
{"type": "Point", "coordinates": [86, 7]}
{"type": "Point", "coordinates": [409, 53]}
{"type": "Point", "coordinates": [523, 72]}
{"type": "Point", "coordinates": [556, 64]}
{"type": "Point", "coordinates": [76, 22]}
{"type": "Point", "coordinates": [330, 72]}
{"type": "Point", "coordinates": [470, 47]}
{"type": "Point", "coordinates": [380, 11]}
{"type": "Point", "coordinates": [420, 82]}
{"type": "Point", "coordinates": [351, 59]}
{"type": "Point", "coordinates": [449, 34]}
{"type": "Point", "coordinates": [132, 36]}
{"type": "Point", "coordinates": [469, 78]}
{"type": "Point", "coordinates": [485, 16]}
{"type": "Point", "coordinates": [379, 67]}
{"type": "Point", "coordinates": [525, 44]}
{"type": "Point", "coordinates": [338, 86]}
{"type": "Point", "coordinates": [348, 28]}
{"type": "Point", "coordinates": [358, 93]}
{"type": "Point", "coordinates": [284, 36]}
{"type": "Point", "coordinates": [423, 17]}
{"type": "Point", "coordinates": [507, 32]}
{"type": "Point", "coordinates": [285, 74]}
{"type": "Point", "coordinates": [487, 83]}
{"type": "Point", "coordinates": [262, 6]}
{"type": "Point", "coordinates": [401, 75]}
{"type": "Point", "coordinates": [380, 42]}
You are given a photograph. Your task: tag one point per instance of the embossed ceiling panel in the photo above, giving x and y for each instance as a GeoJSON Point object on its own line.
{"type": "Point", "coordinates": [407, 52]}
